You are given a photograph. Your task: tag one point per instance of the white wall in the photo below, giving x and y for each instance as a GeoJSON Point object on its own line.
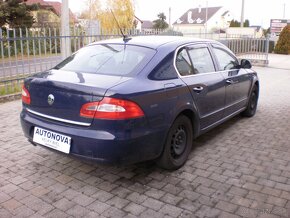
{"type": "Point", "coordinates": [244, 31]}
{"type": "Point", "coordinates": [188, 29]}
{"type": "Point", "coordinates": [218, 21]}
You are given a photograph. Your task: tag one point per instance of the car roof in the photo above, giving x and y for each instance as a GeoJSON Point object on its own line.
{"type": "Point", "coordinates": [155, 41]}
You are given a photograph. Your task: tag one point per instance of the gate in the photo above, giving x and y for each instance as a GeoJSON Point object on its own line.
{"type": "Point", "coordinates": [254, 49]}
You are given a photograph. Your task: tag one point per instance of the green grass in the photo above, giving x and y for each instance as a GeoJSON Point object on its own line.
{"type": "Point", "coordinates": [4, 80]}
{"type": "Point", "coordinates": [11, 88]}
{"type": "Point", "coordinates": [27, 57]}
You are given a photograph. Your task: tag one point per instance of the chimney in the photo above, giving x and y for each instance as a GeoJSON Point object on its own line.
{"type": "Point", "coordinates": [199, 9]}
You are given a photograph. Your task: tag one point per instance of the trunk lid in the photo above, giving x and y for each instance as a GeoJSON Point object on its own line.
{"type": "Point", "coordinates": [59, 95]}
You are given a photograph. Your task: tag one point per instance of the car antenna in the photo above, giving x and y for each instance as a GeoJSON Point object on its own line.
{"type": "Point", "coordinates": [125, 37]}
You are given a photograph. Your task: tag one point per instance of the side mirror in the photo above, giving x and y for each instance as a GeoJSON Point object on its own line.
{"type": "Point", "coordinates": [246, 64]}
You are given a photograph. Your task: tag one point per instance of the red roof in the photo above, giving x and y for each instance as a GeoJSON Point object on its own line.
{"type": "Point", "coordinates": [56, 6]}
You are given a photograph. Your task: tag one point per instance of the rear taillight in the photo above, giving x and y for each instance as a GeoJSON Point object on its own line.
{"type": "Point", "coordinates": [111, 109]}
{"type": "Point", "coordinates": [25, 95]}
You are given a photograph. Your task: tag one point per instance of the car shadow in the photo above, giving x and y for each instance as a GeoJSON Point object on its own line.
{"type": "Point", "coordinates": [140, 174]}
{"type": "Point", "coordinates": [200, 142]}
{"type": "Point", "coordinates": [216, 132]}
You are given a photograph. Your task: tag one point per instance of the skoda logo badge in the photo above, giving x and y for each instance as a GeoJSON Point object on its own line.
{"type": "Point", "coordinates": [50, 99]}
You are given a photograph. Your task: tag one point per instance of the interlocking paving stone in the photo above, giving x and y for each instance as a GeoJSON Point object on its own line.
{"type": "Point", "coordinates": [226, 206]}
{"type": "Point", "coordinates": [64, 204]}
{"type": "Point", "coordinates": [239, 169]}
{"type": "Point", "coordinates": [134, 209]}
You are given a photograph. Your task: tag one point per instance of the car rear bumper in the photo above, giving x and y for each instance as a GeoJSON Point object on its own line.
{"type": "Point", "coordinates": [98, 145]}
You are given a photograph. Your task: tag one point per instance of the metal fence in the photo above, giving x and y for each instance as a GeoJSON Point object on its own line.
{"type": "Point", "coordinates": [254, 49]}
{"type": "Point", "coordinates": [27, 51]}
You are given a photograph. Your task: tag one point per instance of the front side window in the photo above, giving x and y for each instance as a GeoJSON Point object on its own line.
{"type": "Point", "coordinates": [183, 63]}
{"type": "Point", "coordinates": [109, 59]}
{"type": "Point", "coordinates": [226, 61]}
{"type": "Point", "coordinates": [201, 60]}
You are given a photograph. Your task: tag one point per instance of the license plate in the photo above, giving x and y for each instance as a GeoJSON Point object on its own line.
{"type": "Point", "coordinates": [52, 139]}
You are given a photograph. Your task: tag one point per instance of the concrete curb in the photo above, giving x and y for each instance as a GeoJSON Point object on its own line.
{"type": "Point", "coordinates": [11, 97]}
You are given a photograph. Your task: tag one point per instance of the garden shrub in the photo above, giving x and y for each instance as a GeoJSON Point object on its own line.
{"type": "Point", "coordinates": [283, 44]}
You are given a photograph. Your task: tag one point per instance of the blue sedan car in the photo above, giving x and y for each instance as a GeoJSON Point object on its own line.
{"type": "Point", "coordinates": [132, 100]}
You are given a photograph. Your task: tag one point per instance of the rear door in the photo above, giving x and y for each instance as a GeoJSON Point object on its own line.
{"type": "Point", "coordinates": [236, 80]}
{"type": "Point", "coordinates": [197, 70]}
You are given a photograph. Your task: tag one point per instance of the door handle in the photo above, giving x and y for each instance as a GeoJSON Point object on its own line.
{"type": "Point", "coordinates": [230, 81]}
{"type": "Point", "coordinates": [198, 89]}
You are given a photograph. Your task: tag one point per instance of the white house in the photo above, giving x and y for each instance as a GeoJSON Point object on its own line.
{"type": "Point", "coordinates": [137, 23]}
{"type": "Point", "coordinates": [252, 31]}
{"type": "Point", "coordinates": [143, 26]}
{"type": "Point", "coordinates": [203, 20]}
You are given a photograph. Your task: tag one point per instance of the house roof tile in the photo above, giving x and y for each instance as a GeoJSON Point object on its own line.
{"type": "Point", "coordinates": [55, 6]}
{"type": "Point", "coordinates": [147, 24]}
{"type": "Point", "coordinates": [197, 15]}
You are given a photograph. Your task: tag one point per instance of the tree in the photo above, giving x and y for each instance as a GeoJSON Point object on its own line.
{"type": "Point", "coordinates": [92, 11]}
{"type": "Point", "coordinates": [46, 18]}
{"type": "Point", "coordinates": [16, 13]}
{"type": "Point", "coordinates": [160, 23]}
{"type": "Point", "coordinates": [266, 31]}
{"type": "Point", "coordinates": [235, 23]}
{"type": "Point", "coordinates": [122, 9]}
{"type": "Point", "coordinates": [283, 44]}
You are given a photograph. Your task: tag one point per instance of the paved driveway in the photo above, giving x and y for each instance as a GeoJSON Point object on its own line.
{"type": "Point", "coordinates": [240, 169]}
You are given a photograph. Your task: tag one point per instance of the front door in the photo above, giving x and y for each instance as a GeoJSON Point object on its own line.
{"type": "Point", "coordinates": [197, 70]}
{"type": "Point", "coordinates": [236, 81]}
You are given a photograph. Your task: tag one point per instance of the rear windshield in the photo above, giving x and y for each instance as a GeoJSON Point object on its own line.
{"type": "Point", "coordinates": [109, 59]}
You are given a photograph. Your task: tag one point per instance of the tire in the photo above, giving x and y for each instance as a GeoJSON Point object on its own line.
{"type": "Point", "coordinates": [252, 104]}
{"type": "Point", "coordinates": [178, 144]}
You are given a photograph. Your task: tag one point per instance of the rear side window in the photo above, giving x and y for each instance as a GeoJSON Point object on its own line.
{"type": "Point", "coordinates": [165, 69]}
{"type": "Point", "coordinates": [226, 61]}
{"type": "Point", "coordinates": [201, 60]}
{"type": "Point", "coordinates": [109, 59]}
{"type": "Point", "coordinates": [183, 63]}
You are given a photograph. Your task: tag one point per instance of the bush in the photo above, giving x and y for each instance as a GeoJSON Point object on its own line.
{"type": "Point", "coordinates": [283, 44]}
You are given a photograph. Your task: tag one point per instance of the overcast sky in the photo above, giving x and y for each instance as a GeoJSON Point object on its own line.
{"type": "Point", "coordinates": [259, 12]}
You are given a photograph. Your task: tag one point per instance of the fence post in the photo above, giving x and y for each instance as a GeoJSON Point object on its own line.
{"type": "Point", "coordinates": [33, 50]}
{"type": "Point", "coordinates": [21, 49]}
{"type": "Point", "coordinates": [15, 50]}
{"type": "Point", "coordinates": [28, 49]}
{"type": "Point", "coordinates": [44, 47]}
{"type": "Point", "coordinates": [267, 48]}
{"type": "Point", "coordinates": [65, 30]}
{"type": "Point", "coordinates": [2, 54]}
{"type": "Point", "coordinates": [9, 52]}
{"type": "Point", "coordinates": [39, 48]}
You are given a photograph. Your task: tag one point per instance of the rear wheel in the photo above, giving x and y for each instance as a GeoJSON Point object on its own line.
{"type": "Point", "coordinates": [178, 144]}
{"type": "Point", "coordinates": [252, 104]}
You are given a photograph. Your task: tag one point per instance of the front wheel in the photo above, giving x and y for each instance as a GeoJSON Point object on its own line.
{"type": "Point", "coordinates": [252, 104]}
{"type": "Point", "coordinates": [178, 144]}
